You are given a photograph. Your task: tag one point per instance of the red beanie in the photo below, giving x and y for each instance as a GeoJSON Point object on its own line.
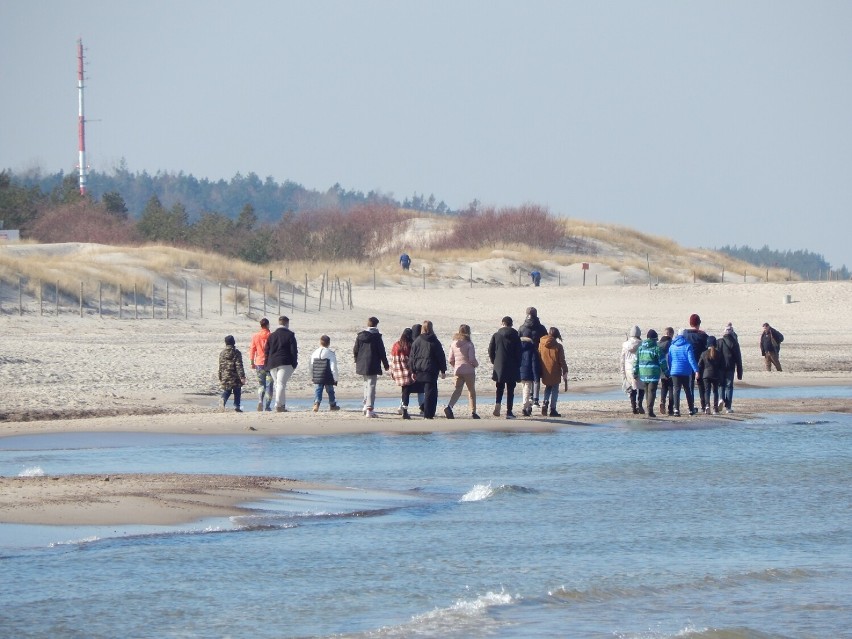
{"type": "Point", "coordinates": [694, 320]}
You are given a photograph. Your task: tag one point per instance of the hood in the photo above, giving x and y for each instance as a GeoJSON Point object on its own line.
{"type": "Point", "coordinates": [369, 335]}
{"type": "Point", "coordinates": [680, 340]}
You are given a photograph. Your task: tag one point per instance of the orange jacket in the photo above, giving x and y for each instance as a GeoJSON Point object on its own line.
{"type": "Point", "coordinates": [257, 350]}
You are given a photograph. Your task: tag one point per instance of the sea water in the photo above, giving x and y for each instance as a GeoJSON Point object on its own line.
{"type": "Point", "coordinates": [701, 527]}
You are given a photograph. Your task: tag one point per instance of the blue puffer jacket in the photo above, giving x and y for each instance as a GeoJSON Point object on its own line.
{"type": "Point", "coordinates": [681, 358]}
{"type": "Point", "coordinates": [529, 360]}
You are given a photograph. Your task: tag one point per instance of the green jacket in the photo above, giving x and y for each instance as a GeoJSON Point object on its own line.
{"type": "Point", "coordinates": [650, 362]}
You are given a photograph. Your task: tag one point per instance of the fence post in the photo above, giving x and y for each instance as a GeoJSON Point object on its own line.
{"type": "Point", "coordinates": [279, 300]}
{"type": "Point", "coordinates": [767, 275]}
{"type": "Point", "coordinates": [471, 277]}
{"type": "Point", "coordinates": [306, 293]}
{"type": "Point", "coordinates": [153, 302]}
{"type": "Point", "coordinates": [167, 299]}
{"type": "Point", "coordinates": [264, 294]}
{"type": "Point", "coordinates": [235, 300]}
{"type": "Point", "coordinates": [81, 299]}
{"type": "Point", "coordinates": [424, 278]}
{"type": "Point", "coordinates": [248, 295]}
{"type": "Point", "coordinates": [100, 299]}
{"type": "Point", "coordinates": [20, 296]}
{"type": "Point", "coordinates": [135, 302]}
{"type": "Point", "coordinates": [185, 300]}
{"type": "Point", "coordinates": [40, 298]}
{"type": "Point", "coordinates": [56, 296]}
{"type": "Point", "coordinates": [201, 300]}
{"type": "Point", "coordinates": [119, 301]}
{"type": "Point", "coordinates": [220, 299]}
{"type": "Point", "coordinates": [322, 292]}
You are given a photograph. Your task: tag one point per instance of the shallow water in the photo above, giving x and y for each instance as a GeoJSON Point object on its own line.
{"type": "Point", "coordinates": [722, 529]}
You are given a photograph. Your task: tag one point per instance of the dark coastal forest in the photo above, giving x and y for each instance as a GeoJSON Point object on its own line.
{"type": "Point", "coordinates": [248, 218]}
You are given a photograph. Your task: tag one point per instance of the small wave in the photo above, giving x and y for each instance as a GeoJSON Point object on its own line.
{"type": "Point", "coordinates": [270, 519]}
{"type": "Point", "coordinates": [74, 542]}
{"type": "Point", "coordinates": [32, 471]}
{"type": "Point", "coordinates": [481, 492]}
{"type": "Point", "coordinates": [813, 422]}
{"type": "Point", "coordinates": [464, 618]}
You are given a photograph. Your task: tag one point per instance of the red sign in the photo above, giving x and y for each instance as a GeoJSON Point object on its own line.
{"type": "Point", "coordinates": [585, 266]}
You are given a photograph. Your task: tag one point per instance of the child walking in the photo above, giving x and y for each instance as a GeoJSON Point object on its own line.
{"type": "Point", "coordinates": [711, 369]}
{"type": "Point", "coordinates": [324, 373]}
{"type": "Point", "coordinates": [232, 375]}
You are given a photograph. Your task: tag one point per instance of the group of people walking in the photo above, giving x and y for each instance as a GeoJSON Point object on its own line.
{"type": "Point", "coordinates": [675, 364]}
{"type": "Point", "coordinates": [531, 356]}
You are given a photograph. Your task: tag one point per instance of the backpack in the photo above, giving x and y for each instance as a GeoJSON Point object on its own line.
{"type": "Point", "coordinates": [321, 372]}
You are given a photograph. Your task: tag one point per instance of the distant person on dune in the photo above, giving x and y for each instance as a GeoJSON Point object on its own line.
{"type": "Point", "coordinates": [405, 261]}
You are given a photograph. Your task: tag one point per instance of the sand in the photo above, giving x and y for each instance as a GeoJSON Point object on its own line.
{"type": "Point", "coordinates": [71, 374]}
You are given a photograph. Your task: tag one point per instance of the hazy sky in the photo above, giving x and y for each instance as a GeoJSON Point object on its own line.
{"type": "Point", "coordinates": [723, 122]}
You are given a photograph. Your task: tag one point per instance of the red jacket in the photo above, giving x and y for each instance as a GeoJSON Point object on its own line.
{"type": "Point", "coordinates": [257, 350]}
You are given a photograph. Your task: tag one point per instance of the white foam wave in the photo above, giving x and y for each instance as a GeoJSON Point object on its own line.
{"type": "Point", "coordinates": [478, 493]}
{"type": "Point", "coordinates": [74, 542]}
{"type": "Point", "coordinates": [32, 471]}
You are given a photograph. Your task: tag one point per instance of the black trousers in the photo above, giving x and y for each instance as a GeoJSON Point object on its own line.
{"type": "Point", "coordinates": [510, 394]}
{"type": "Point", "coordinates": [430, 392]}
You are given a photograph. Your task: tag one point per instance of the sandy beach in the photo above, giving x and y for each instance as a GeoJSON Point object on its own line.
{"type": "Point", "coordinates": [69, 374]}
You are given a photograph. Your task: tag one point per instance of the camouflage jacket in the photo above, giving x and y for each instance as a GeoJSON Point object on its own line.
{"type": "Point", "coordinates": [231, 371]}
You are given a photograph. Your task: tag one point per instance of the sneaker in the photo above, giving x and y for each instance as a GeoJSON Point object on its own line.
{"type": "Point", "coordinates": [707, 411]}
{"type": "Point", "coordinates": [510, 415]}
{"type": "Point", "coordinates": [720, 405]}
{"type": "Point", "coordinates": [496, 412]}
{"type": "Point", "coordinates": [728, 411]}
{"type": "Point", "coordinates": [448, 413]}
{"type": "Point", "coordinates": [535, 402]}
{"type": "Point", "coordinates": [651, 413]}
{"type": "Point", "coordinates": [671, 413]}
{"type": "Point", "coordinates": [404, 413]}
{"type": "Point", "coordinates": [474, 416]}
{"type": "Point", "coordinates": [715, 411]}
{"type": "Point", "coordinates": [260, 407]}
{"type": "Point", "coordinates": [334, 407]}
{"type": "Point", "coordinates": [371, 413]}
{"type": "Point", "coordinates": [316, 407]}
{"type": "Point", "coordinates": [662, 408]}
{"type": "Point", "coordinates": [221, 405]}
{"type": "Point", "coordinates": [399, 410]}
{"type": "Point", "coordinates": [675, 413]}
{"type": "Point", "coordinates": [237, 409]}
{"type": "Point", "coordinates": [553, 413]}
{"type": "Point", "coordinates": [693, 411]}
{"type": "Point", "coordinates": [526, 412]}
{"type": "Point", "coordinates": [269, 406]}
{"type": "Point", "coordinates": [280, 409]}
{"type": "Point", "coordinates": [641, 410]}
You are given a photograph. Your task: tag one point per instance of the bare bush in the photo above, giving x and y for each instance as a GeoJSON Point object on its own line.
{"type": "Point", "coordinates": [528, 225]}
{"type": "Point", "coordinates": [83, 221]}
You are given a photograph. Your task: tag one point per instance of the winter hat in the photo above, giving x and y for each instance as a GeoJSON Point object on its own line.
{"type": "Point", "coordinates": [694, 320]}
{"type": "Point", "coordinates": [652, 334]}
{"type": "Point", "coordinates": [229, 340]}
{"type": "Point", "coordinates": [635, 332]}
{"type": "Point", "coordinates": [711, 341]}
{"type": "Point", "coordinates": [729, 329]}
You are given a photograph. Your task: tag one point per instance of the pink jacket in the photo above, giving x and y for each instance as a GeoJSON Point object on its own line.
{"type": "Point", "coordinates": [463, 357]}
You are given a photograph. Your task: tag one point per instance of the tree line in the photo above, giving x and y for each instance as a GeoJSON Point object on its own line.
{"type": "Point", "coordinates": [807, 264]}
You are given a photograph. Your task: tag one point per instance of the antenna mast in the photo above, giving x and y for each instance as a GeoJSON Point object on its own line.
{"type": "Point", "coordinates": [81, 127]}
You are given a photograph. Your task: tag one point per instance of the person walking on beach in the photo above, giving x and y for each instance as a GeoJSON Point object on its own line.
{"type": "Point", "coordinates": [682, 366]}
{"type": "Point", "coordinates": [729, 345]}
{"type": "Point", "coordinates": [464, 363]}
{"type": "Point", "coordinates": [324, 373]}
{"type": "Point", "coordinates": [504, 351]}
{"type": "Point", "coordinates": [401, 369]}
{"type": "Point", "coordinates": [650, 367]}
{"type": "Point", "coordinates": [554, 369]}
{"type": "Point", "coordinates": [711, 367]}
{"type": "Point", "coordinates": [232, 375]}
{"type": "Point", "coordinates": [770, 347]}
{"type": "Point", "coordinates": [666, 389]}
{"type": "Point", "coordinates": [370, 358]}
{"type": "Point", "coordinates": [405, 261]}
{"type": "Point", "coordinates": [427, 363]}
{"type": "Point", "coordinates": [257, 357]}
{"type": "Point", "coordinates": [417, 387]}
{"type": "Point", "coordinates": [698, 339]}
{"type": "Point", "coordinates": [282, 358]}
{"type": "Point", "coordinates": [530, 371]}
{"type": "Point", "coordinates": [533, 328]}
{"type": "Point", "coordinates": [629, 381]}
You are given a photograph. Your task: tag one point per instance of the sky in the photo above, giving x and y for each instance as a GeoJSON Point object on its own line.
{"type": "Point", "coordinates": [711, 123]}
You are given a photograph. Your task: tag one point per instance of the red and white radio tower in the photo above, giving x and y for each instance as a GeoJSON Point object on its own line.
{"type": "Point", "coordinates": [82, 120]}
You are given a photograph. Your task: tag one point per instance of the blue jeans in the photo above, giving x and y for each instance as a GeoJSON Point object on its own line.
{"type": "Point", "coordinates": [728, 388]}
{"type": "Point", "coordinates": [551, 396]}
{"type": "Point", "coordinates": [329, 388]}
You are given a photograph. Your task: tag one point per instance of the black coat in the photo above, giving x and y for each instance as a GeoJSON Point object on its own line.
{"type": "Point", "coordinates": [504, 351]}
{"type": "Point", "coordinates": [427, 357]}
{"type": "Point", "coordinates": [730, 348]}
{"type": "Point", "coordinates": [281, 349]}
{"type": "Point", "coordinates": [369, 352]}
